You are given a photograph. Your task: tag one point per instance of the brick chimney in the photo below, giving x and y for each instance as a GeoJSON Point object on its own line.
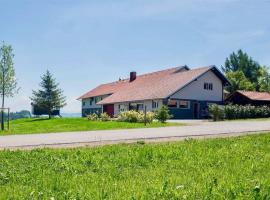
{"type": "Point", "coordinates": [133, 76]}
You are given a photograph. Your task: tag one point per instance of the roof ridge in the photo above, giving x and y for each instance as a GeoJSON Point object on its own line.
{"type": "Point", "coordinates": [146, 74]}
{"type": "Point", "coordinates": [160, 71]}
{"type": "Point", "coordinates": [157, 72]}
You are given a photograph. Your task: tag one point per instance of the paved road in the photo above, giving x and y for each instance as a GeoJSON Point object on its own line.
{"type": "Point", "coordinates": [70, 139]}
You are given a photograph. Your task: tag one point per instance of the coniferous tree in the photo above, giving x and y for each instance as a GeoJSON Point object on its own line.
{"type": "Point", "coordinates": [49, 97]}
{"type": "Point", "coordinates": [245, 73]}
{"type": "Point", "coordinates": [240, 61]}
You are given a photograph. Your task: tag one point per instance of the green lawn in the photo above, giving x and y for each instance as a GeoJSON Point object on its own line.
{"type": "Point", "coordinates": [43, 125]}
{"type": "Point", "coordinates": [232, 168]}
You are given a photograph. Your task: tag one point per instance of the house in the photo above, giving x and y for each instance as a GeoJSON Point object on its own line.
{"type": "Point", "coordinates": [186, 92]}
{"type": "Point", "coordinates": [241, 97]}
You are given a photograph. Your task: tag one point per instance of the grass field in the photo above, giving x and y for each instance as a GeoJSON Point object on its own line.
{"type": "Point", "coordinates": [43, 125]}
{"type": "Point", "coordinates": [234, 168]}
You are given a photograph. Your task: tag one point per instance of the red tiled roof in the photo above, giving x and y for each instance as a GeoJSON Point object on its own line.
{"type": "Point", "coordinates": [156, 85]}
{"type": "Point", "coordinates": [256, 96]}
{"type": "Point", "coordinates": [104, 89]}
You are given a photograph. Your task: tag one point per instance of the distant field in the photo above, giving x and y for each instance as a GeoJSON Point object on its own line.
{"type": "Point", "coordinates": [232, 168]}
{"type": "Point", "coordinates": [43, 125]}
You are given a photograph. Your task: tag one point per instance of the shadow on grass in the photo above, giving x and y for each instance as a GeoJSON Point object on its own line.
{"type": "Point", "coordinates": [38, 119]}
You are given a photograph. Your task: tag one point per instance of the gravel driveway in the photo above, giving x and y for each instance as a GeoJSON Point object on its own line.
{"type": "Point", "coordinates": [197, 129]}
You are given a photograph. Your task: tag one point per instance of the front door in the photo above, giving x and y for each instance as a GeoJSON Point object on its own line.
{"type": "Point", "coordinates": [196, 107]}
{"type": "Point", "coordinates": [109, 109]}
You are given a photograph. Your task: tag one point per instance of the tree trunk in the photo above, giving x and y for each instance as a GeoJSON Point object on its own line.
{"type": "Point", "coordinates": [2, 113]}
{"type": "Point", "coordinates": [50, 114]}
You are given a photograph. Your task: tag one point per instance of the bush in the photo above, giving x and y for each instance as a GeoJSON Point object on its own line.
{"type": "Point", "coordinates": [134, 116]}
{"type": "Point", "coordinates": [128, 116]}
{"type": "Point", "coordinates": [238, 111]}
{"type": "Point", "coordinates": [216, 112]}
{"type": "Point", "coordinates": [149, 118]}
{"type": "Point", "coordinates": [163, 114]}
{"type": "Point", "coordinates": [104, 117]}
{"type": "Point", "coordinates": [92, 117]}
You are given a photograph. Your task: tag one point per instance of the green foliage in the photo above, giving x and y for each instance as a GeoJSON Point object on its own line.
{"type": "Point", "coordinates": [50, 97]}
{"type": "Point", "coordinates": [104, 117]}
{"type": "Point", "coordinates": [216, 112]}
{"type": "Point", "coordinates": [163, 114]}
{"type": "Point", "coordinates": [228, 168]}
{"type": "Point", "coordinates": [240, 61]}
{"type": "Point", "coordinates": [43, 125]}
{"type": "Point", "coordinates": [150, 116]}
{"type": "Point", "coordinates": [92, 117]}
{"type": "Point", "coordinates": [264, 79]}
{"type": "Point", "coordinates": [246, 74]}
{"type": "Point", "coordinates": [239, 82]}
{"type": "Point", "coordinates": [128, 116]}
{"type": "Point", "coordinates": [8, 82]}
{"type": "Point", "coordinates": [134, 116]}
{"type": "Point", "coordinates": [244, 112]}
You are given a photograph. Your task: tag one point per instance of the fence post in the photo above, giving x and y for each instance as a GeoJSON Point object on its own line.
{"type": "Point", "coordinates": [8, 118]}
{"type": "Point", "coordinates": [144, 115]}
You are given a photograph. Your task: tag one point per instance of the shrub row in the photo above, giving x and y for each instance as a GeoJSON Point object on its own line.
{"type": "Point", "coordinates": [101, 117]}
{"type": "Point", "coordinates": [220, 112]}
{"type": "Point", "coordinates": [133, 116]}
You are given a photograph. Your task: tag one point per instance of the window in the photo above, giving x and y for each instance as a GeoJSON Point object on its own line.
{"type": "Point", "coordinates": [91, 101]}
{"type": "Point", "coordinates": [121, 107]}
{"type": "Point", "coordinates": [184, 104]}
{"type": "Point", "coordinates": [140, 107]}
{"type": "Point", "coordinates": [154, 104]}
{"type": "Point", "coordinates": [83, 103]}
{"type": "Point", "coordinates": [172, 104]}
{"type": "Point", "coordinates": [205, 86]}
{"type": "Point", "coordinates": [208, 86]}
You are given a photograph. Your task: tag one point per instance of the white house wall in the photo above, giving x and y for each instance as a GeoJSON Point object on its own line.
{"type": "Point", "coordinates": [196, 91]}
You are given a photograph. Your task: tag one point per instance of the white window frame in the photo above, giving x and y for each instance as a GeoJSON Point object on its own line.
{"type": "Point", "coordinates": [122, 107]}
{"type": "Point", "coordinates": [155, 104]}
{"type": "Point", "coordinates": [188, 105]}
{"type": "Point", "coordinates": [208, 86]}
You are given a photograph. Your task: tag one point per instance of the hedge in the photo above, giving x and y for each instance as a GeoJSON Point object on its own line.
{"type": "Point", "coordinates": [219, 112]}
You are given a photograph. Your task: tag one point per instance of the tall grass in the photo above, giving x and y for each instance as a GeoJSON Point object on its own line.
{"type": "Point", "coordinates": [236, 168]}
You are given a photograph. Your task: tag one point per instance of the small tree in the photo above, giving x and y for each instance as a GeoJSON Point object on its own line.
{"type": "Point", "coordinates": [8, 83]}
{"type": "Point", "coordinates": [50, 97]}
{"type": "Point", "coordinates": [163, 114]}
{"type": "Point", "coordinates": [216, 112]}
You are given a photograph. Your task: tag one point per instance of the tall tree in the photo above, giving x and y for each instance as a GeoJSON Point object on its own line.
{"type": "Point", "coordinates": [264, 79]}
{"type": "Point", "coordinates": [240, 61]}
{"type": "Point", "coordinates": [49, 97]}
{"type": "Point", "coordinates": [8, 83]}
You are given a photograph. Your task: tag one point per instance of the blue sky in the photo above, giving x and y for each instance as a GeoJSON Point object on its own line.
{"type": "Point", "coordinates": [85, 43]}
